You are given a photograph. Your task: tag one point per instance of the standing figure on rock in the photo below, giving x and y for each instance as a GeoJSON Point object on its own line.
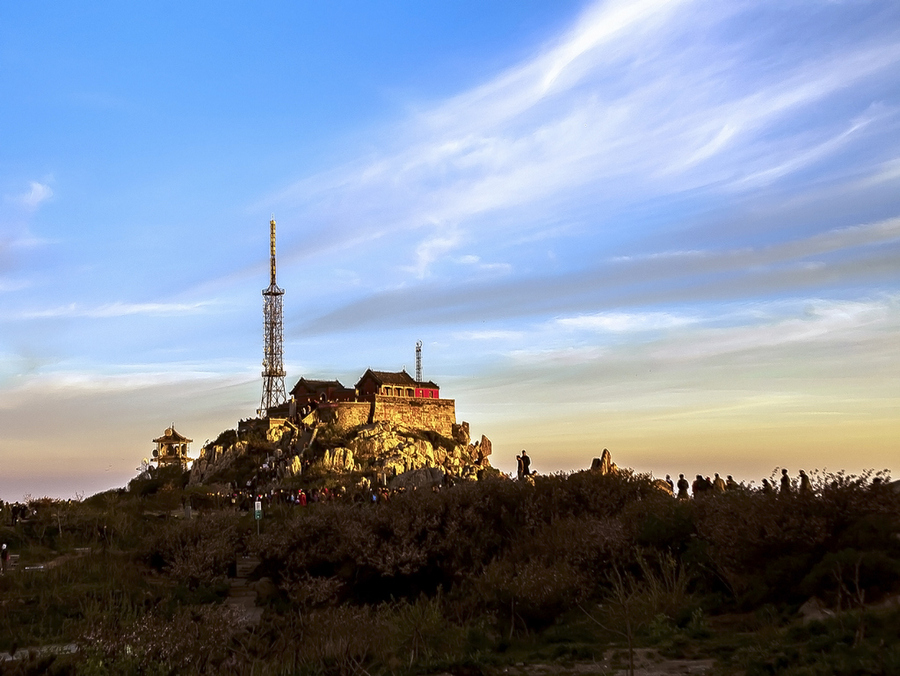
{"type": "Point", "coordinates": [785, 482]}
{"type": "Point", "coordinates": [699, 485]}
{"type": "Point", "coordinates": [526, 463]}
{"type": "Point", "coordinates": [520, 468]}
{"type": "Point", "coordinates": [683, 486]}
{"type": "Point", "coordinates": [671, 484]}
{"type": "Point", "coordinates": [805, 485]}
{"type": "Point", "coordinates": [719, 484]}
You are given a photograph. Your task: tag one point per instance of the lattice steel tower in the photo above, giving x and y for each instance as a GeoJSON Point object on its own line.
{"type": "Point", "coordinates": [418, 361]}
{"type": "Point", "coordinates": [273, 350]}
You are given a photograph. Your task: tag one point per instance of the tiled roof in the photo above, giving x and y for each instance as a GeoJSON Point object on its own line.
{"type": "Point", "coordinates": [171, 436]}
{"type": "Point", "coordinates": [318, 384]}
{"type": "Point", "coordinates": [401, 378]}
{"type": "Point", "coordinates": [390, 378]}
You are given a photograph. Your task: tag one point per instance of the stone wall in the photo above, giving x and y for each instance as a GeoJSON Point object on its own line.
{"type": "Point", "coordinates": [344, 415]}
{"type": "Point", "coordinates": [438, 415]}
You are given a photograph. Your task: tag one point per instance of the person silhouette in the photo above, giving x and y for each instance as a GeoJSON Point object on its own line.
{"type": "Point", "coordinates": [785, 482]}
{"type": "Point", "coordinates": [805, 485]}
{"type": "Point", "coordinates": [683, 486]}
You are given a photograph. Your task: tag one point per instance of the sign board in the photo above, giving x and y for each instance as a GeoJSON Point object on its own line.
{"type": "Point", "coordinates": [257, 508]}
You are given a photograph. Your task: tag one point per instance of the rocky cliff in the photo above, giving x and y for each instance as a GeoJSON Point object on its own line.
{"type": "Point", "coordinates": [277, 449]}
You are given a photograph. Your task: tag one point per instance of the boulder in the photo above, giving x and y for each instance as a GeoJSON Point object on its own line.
{"type": "Point", "coordinates": [265, 589]}
{"type": "Point", "coordinates": [603, 464]}
{"type": "Point", "coordinates": [663, 485]}
{"type": "Point", "coordinates": [814, 609]}
{"type": "Point", "coordinates": [339, 459]}
{"type": "Point", "coordinates": [424, 477]}
{"type": "Point", "coordinates": [461, 433]}
{"type": "Point", "coordinates": [295, 467]}
{"type": "Point", "coordinates": [484, 450]}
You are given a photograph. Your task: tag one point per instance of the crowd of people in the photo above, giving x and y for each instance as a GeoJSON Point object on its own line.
{"type": "Point", "coordinates": [244, 499]}
{"type": "Point", "coordinates": [13, 512]}
{"type": "Point", "coordinates": [703, 485]}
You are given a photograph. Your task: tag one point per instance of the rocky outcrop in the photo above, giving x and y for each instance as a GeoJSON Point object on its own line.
{"type": "Point", "coordinates": [426, 477]}
{"type": "Point", "coordinates": [384, 449]}
{"type": "Point", "coordinates": [604, 464]}
{"type": "Point", "coordinates": [295, 467]}
{"type": "Point", "coordinates": [215, 458]}
{"type": "Point", "coordinates": [461, 433]}
{"type": "Point", "coordinates": [394, 449]}
{"type": "Point", "coordinates": [338, 460]}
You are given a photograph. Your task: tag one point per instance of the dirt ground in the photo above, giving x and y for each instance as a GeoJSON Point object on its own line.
{"type": "Point", "coordinates": [646, 663]}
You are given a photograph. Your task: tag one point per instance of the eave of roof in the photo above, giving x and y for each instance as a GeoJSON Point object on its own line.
{"type": "Point", "coordinates": [391, 378]}
{"type": "Point", "coordinates": [318, 383]}
{"type": "Point", "coordinates": [170, 436]}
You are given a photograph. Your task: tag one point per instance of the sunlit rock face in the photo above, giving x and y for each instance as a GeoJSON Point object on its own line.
{"type": "Point", "coordinates": [340, 439]}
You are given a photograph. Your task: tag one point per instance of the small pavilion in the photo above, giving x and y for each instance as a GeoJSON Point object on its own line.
{"type": "Point", "coordinates": [171, 449]}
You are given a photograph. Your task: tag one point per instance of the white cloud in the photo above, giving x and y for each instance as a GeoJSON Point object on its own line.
{"type": "Point", "coordinates": [431, 249]}
{"type": "Point", "coordinates": [118, 309]}
{"type": "Point", "coordinates": [830, 321]}
{"type": "Point", "coordinates": [37, 193]}
{"type": "Point", "coordinates": [621, 322]}
{"type": "Point", "coordinates": [476, 263]}
{"type": "Point", "coordinates": [638, 99]}
{"type": "Point", "coordinates": [489, 335]}
{"type": "Point", "coordinates": [8, 285]}
{"type": "Point", "coordinates": [694, 253]}
{"type": "Point", "coordinates": [130, 378]}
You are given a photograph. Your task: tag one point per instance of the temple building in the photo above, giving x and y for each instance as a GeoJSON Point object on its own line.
{"type": "Point", "coordinates": [306, 391]}
{"type": "Point", "coordinates": [171, 449]}
{"type": "Point", "coordinates": [395, 385]}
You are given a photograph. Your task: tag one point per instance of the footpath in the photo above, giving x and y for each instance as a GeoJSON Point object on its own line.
{"type": "Point", "coordinates": [241, 594]}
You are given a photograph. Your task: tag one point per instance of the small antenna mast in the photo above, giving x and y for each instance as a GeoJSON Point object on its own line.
{"type": "Point", "coordinates": [272, 247]}
{"type": "Point", "coordinates": [418, 361]}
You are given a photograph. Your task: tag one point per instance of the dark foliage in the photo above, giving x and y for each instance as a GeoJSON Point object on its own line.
{"type": "Point", "coordinates": [465, 576]}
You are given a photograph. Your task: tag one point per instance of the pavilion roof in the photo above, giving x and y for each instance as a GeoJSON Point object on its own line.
{"type": "Point", "coordinates": [172, 437]}
{"type": "Point", "coordinates": [390, 378]}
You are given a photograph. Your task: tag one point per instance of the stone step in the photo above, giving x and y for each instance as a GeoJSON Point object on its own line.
{"type": "Point", "coordinates": [250, 594]}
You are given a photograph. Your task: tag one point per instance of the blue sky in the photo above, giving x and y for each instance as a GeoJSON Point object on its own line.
{"type": "Point", "coordinates": [670, 229]}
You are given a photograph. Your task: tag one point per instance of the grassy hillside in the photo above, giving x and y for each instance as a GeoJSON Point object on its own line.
{"type": "Point", "coordinates": [569, 569]}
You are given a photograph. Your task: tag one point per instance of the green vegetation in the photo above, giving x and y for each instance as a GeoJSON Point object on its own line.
{"type": "Point", "coordinates": [580, 568]}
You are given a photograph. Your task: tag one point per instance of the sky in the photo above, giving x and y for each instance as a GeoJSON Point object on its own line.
{"type": "Point", "coordinates": [669, 228]}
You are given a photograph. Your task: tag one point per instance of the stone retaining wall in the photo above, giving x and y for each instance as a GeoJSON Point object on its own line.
{"type": "Point", "coordinates": [438, 415]}
{"type": "Point", "coordinates": [344, 415]}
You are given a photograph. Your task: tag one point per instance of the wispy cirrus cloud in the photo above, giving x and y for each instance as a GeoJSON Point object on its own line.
{"type": "Point", "coordinates": [622, 322]}
{"type": "Point", "coordinates": [853, 255]}
{"type": "Point", "coordinates": [37, 194]}
{"type": "Point", "coordinates": [9, 285]}
{"type": "Point", "coordinates": [765, 336]}
{"type": "Point", "coordinates": [635, 101]}
{"type": "Point", "coordinates": [117, 309]}
{"type": "Point", "coordinates": [821, 321]}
